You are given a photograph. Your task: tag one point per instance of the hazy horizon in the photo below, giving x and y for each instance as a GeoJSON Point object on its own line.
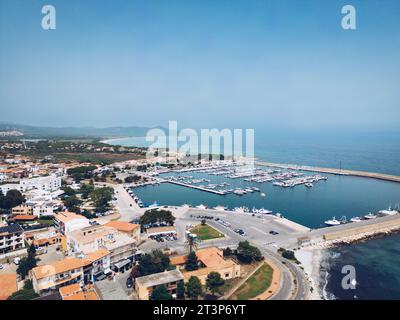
{"type": "Point", "coordinates": [268, 65]}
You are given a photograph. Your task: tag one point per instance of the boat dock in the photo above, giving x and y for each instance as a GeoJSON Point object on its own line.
{"type": "Point", "coordinates": [357, 230]}
{"type": "Point", "coordinates": [374, 175]}
{"type": "Point", "coordinates": [194, 187]}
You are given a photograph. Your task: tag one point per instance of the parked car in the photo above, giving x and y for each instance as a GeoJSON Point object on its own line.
{"type": "Point", "coordinates": [1, 266]}
{"type": "Point", "coordinates": [129, 283]}
{"type": "Point", "coordinates": [274, 233]}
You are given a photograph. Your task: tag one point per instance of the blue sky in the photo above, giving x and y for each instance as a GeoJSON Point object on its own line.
{"type": "Point", "coordinates": [237, 63]}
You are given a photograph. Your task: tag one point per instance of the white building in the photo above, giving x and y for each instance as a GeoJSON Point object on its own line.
{"type": "Point", "coordinates": [49, 183]}
{"type": "Point", "coordinates": [43, 209]}
{"type": "Point", "coordinates": [66, 222]}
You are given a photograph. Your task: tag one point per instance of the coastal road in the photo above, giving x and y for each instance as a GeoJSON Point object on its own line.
{"type": "Point", "coordinates": [126, 206]}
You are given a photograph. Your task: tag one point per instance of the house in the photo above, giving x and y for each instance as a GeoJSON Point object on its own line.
{"type": "Point", "coordinates": [131, 229]}
{"type": "Point", "coordinates": [67, 222]}
{"type": "Point", "coordinates": [210, 260]}
{"type": "Point", "coordinates": [144, 286]}
{"type": "Point", "coordinates": [41, 238]}
{"type": "Point", "coordinates": [70, 271]}
{"type": "Point", "coordinates": [23, 218]}
{"type": "Point", "coordinates": [11, 238]}
{"type": "Point", "coordinates": [22, 209]}
{"type": "Point", "coordinates": [58, 274]}
{"type": "Point", "coordinates": [76, 292]}
{"type": "Point", "coordinates": [122, 247]}
{"type": "Point", "coordinates": [8, 285]}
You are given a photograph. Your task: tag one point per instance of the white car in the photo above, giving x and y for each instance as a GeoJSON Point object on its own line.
{"type": "Point", "coordinates": [1, 266]}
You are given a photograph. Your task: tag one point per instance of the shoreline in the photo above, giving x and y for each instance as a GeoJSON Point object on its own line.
{"type": "Point", "coordinates": [315, 259]}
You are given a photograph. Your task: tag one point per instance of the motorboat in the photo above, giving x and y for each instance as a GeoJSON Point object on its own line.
{"type": "Point", "coordinates": [332, 222]}
{"type": "Point", "coordinates": [388, 212]}
{"type": "Point", "coordinates": [219, 208]}
{"type": "Point", "coordinates": [355, 219]}
{"type": "Point", "coordinates": [370, 216]}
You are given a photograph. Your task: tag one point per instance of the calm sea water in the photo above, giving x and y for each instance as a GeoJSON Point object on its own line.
{"type": "Point", "coordinates": [377, 262]}
{"type": "Point", "coordinates": [377, 265]}
{"type": "Point", "coordinates": [373, 153]}
{"type": "Point", "coordinates": [338, 196]}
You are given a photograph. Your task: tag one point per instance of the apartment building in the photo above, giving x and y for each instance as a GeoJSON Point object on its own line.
{"type": "Point", "coordinates": [67, 222]}
{"type": "Point", "coordinates": [121, 246]}
{"type": "Point", "coordinates": [49, 183]}
{"type": "Point", "coordinates": [22, 209]}
{"type": "Point", "coordinates": [69, 271]}
{"type": "Point", "coordinates": [11, 238]}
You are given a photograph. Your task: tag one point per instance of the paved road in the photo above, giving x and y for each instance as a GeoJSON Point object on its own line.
{"type": "Point", "coordinates": [126, 206]}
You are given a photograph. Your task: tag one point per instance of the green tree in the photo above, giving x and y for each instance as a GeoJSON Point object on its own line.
{"type": "Point", "coordinates": [12, 199]}
{"type": "Point", "coordinates": [153, 262]}
{"type": "Point", "coordinates": [26, 293]}
{"type": "Point", "coordinates": [161, 293]}
{"type": "Point", "coordinates": [227, 252]}
{"type": "Point", "coordinates": [194, 288]}
{"type": "Point", "coordinates": [80, 173]}
{"type": "Point", "coordinates": [248, 253]}
{"type": "Point", "coordinates": [68, 191]}
{"type": "Point", "coordinates": [180, 290]}
{"type": "Point", "coordinates": [86, 189]}
{"type": "Point", "coordinates": [192, 262]}
{"type": "Point", "coordinates": [32, 249]}
{"type": "Point", "coordinates": [214, 281]}
{"type": "Point", "coordinates": [72, 203]}
{"type": "Point", "coordinates": [101, 197]}
{"type": "Point", "coordinates": [157, 216]}
{"type": "Point", "coordinates": [26, 264]}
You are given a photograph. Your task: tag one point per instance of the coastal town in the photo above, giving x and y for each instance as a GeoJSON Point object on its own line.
{"type": "Point", "coordinates": [76, 230]}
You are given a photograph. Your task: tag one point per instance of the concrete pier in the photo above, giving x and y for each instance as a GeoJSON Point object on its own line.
{"type": "Point", "coordinates": [356, 230]}
{"type": "Point", "coordinates": [374, 175]}
{"type": "Point", "coordinates": [195, 187]}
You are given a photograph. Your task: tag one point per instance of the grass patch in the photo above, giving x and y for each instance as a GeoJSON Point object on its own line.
{"type": "Point", "coordinates": [255, 285]}
{"type": "Point", "coordinates": [206, 232]}
{"type": "Point", "coordinates": [47, 222]}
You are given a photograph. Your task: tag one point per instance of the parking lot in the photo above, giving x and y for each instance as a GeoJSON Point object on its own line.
{"type": "Point", "coordinates": [260, 229]}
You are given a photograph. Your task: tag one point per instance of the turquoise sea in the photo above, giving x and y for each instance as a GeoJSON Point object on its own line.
{"type": "Point", "coordinates": [377, 261]}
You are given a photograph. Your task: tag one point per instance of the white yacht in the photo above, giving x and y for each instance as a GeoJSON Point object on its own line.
{"type": "Point", "coordinates": [201, 206]}
{"type": "Point", "coordinates": [220, 208]}
{"type": "Point", "coordinates": [388, 212]}
{"type": "Point", "coordinates": [355, 219]}
{"type": "Point", "coordinates": [370, 216]}
{"type": "Point", "coordinates": [332, 222]}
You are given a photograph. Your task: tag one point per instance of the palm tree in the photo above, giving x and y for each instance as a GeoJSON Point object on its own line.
{"type": "Point", "coordinates": [191, 242]}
